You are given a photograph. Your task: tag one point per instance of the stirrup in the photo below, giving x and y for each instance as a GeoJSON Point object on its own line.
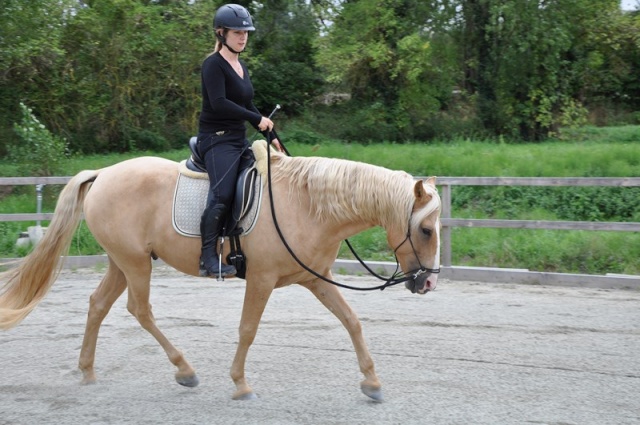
{"type": "Point", "coordinates": [219, 271]}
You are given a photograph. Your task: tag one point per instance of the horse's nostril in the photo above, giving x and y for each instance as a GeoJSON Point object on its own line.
{"type": "Point", "coordinates": [431, 285]}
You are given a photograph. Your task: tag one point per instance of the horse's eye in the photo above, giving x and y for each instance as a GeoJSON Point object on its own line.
{"type": "Point", "coordinates": [427, 232]}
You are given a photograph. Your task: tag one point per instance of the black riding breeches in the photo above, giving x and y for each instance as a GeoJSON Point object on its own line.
{"type": "Point", "coordinates": [225, 156]}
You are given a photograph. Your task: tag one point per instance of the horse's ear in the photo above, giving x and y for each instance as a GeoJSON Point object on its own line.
{"type": "Point", "coordinates": [431, 181]}
{"type": "Point", "coordinates": [422, 197]}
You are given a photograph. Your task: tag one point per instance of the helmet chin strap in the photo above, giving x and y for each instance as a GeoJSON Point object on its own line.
{"type": "Point", "coordinates": [223, 40]}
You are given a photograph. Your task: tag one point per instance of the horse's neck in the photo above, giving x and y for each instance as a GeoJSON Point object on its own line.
{"type": "Point", "coordinates": [346, 194]}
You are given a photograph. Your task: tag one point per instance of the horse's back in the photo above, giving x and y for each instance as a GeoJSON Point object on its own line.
{"type": "Point", "coordinates": [128, 180]}
{"type": "Point", "coordinates": [144, 165]}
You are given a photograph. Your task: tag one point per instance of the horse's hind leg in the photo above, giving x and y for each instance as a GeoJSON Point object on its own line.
{"type": "Point", "coordinates": [112, 286]}
{"type": "Point", "coordinates": [331, 297]}
{"type": "Point", "coordinates": [139, 279]}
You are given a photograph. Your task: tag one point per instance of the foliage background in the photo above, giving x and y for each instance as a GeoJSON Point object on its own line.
{"type": "Point", "coordinates": [123, 75]}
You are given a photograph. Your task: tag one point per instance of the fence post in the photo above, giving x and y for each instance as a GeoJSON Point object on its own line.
{"type": "Point", "coordinates": [39, 188]}
{"type": "Point", "coordinates": [445, 234]}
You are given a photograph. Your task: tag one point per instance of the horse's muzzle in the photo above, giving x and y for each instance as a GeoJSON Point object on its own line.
{"type": "Point", "coordinates": [422, 284]}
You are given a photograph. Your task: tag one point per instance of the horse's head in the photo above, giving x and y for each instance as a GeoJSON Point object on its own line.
{"type": "Point", "coordinates": [418, 251]}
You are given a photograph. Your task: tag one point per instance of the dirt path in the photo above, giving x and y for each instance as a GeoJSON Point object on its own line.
{"type": "Point", "coordinates": [467, 353]}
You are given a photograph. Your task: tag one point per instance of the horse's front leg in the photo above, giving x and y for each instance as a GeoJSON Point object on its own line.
{"type": "Point", "coordinates": [255, 300]}
{"type": "Point", "coordinates": [331, 297]}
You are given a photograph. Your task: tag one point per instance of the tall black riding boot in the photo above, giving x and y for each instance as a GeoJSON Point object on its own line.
{"type": "Point", "coordinates": [210, 228]}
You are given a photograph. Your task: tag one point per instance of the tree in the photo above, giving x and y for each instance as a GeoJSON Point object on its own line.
{"type": "Point", "coordinates": [108, 75]}
{"type": "Point", "coordinates": [281, 56]}
{"type": "Point", "coordinates": [384, 53]}
{"type": "Point", "coordinates": [610, 44]}
{"type": "Point", "coordinates": [31, 57]}
{"type": "Point", "coordinates": [135, 80]}
{"type": "Point", "coordinates": [525, 66]}
{"type": "Point", "coordinates": [116, 75]}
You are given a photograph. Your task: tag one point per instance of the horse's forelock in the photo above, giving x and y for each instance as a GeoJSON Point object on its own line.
{"type": "Point", "coordinates": [432, 206]}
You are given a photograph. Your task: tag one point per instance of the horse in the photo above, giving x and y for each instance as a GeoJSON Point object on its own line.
{"type": "Point", "coordinates": [317, 202]}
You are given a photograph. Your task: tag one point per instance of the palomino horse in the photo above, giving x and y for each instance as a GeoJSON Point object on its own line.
{"type": "Point", "coordinates": [127, 207]}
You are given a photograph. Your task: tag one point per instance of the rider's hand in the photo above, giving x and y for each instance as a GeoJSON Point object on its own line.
{"type": "Point", "coordinates": [276, 144]}
{"type": "Point", "coordinates": [265, 124]}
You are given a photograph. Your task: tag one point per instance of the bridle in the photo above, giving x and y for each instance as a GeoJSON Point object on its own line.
{"type": "Point", "coordinates": [397, 277]}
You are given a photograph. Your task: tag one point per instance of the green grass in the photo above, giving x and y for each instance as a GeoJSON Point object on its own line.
{"type": "Point", "coordinates": [558, 251]}
{"type": "Point", "coordinates": [469, 158]}
{"type": "Point", "coordinates": [591, 151]}
{"type": "Point", "coordinates": [548, 250]}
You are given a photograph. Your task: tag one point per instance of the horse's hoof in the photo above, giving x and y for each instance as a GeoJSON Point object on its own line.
{"type": "Point", "coordinates": [245, 396]}
{"type": "Point", "coordinates": [188, 381]}
{"type": "Point", "coordinates": [88, 378]}
{"type": "Point", "coordinates": [374, 393]}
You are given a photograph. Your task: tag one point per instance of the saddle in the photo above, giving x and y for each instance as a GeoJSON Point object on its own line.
{"type": "Point", "coordinates": [190, 200]}
{"type": "Point", "coordinates": [195, 162]}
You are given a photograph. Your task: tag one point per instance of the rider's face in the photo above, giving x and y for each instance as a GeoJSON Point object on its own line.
{"type": "Point", "coordinates": [237, 39]}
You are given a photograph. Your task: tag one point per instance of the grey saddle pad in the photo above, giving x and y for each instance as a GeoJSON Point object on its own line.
{"type": "Point", "coordinates": [190, 199]}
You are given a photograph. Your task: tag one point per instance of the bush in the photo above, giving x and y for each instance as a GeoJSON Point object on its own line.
{"type": "Point", "coordinates": [566, 203]}
{"type": "Point", "coordinates": [40, 152]}
{"type": "Point", "coordinates": [148, 140]}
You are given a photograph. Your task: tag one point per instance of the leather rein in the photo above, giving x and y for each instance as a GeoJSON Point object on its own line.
{"type": "Point", "coordinates": [397, 277]}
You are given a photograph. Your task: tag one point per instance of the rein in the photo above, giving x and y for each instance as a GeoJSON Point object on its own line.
{"type": "Point", "coordinates": [397, 277]}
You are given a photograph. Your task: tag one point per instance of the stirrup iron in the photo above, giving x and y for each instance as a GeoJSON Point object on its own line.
{"type": "Point", "coordinates": [220, 278]}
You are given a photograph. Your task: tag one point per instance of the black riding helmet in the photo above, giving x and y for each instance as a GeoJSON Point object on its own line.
{"type": "Point", "coordinates": [233, 17]}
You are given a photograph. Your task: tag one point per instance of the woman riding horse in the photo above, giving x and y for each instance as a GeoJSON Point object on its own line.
{"type": "Point", "coordinates": [227, 102]}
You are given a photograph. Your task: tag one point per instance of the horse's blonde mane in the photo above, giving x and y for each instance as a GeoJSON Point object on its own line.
{"type": "Point", "coordinates": [348, 190]}
{"type": "Point", "coordinates": [340, 190]}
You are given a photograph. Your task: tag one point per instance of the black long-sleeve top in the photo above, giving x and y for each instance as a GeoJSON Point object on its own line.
{"type": "Point", "coordinates": [227, 99]}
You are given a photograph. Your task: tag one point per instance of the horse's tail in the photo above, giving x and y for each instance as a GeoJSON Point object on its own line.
{"type": "Point", "coordinates": [23, 287]}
